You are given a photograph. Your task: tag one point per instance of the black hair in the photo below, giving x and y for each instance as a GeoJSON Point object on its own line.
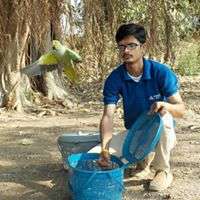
{"type": "Point", "coordinates": [135, 30]}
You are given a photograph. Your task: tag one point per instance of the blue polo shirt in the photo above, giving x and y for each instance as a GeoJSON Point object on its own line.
{"type": "Point", "coordinates": [158, 83]}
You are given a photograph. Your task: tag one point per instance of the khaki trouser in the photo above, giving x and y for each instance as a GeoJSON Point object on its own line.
{"type": "Point", "coordinates": [161, 159]}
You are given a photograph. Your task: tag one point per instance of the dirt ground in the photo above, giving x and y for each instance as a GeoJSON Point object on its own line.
{"type": "Point", "coordinates": [31, 165]}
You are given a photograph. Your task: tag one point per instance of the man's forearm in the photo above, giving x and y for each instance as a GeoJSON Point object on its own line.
{"type": "Point", "coordinates": [177, 110]}
{"type": "Point", "coordinates": [106, 130]}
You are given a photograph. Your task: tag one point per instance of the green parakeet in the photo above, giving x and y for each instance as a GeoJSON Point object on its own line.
{"type": "Point", "coordinates": [58, 57]}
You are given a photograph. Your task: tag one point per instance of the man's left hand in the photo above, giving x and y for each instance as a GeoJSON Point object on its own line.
{"type": "Point", "coordinates": [158, 106]}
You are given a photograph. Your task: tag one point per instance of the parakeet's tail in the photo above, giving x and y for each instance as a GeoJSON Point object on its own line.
{"type": "Point", "coordinates": [35, 69]}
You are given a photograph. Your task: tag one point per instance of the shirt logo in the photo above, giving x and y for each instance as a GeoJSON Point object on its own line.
{"type": "Point", "coordinates": [155, 97]}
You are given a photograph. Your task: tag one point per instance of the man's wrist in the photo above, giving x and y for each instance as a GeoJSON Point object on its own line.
{"type": "Point", "coordinates": [105, 144]}
{"type": "Point", "coordinates": [105, 150]}
{"type": "Point", "coordinates": [104, 147]}
{"type": "Point", "coordinates": [105, 153]}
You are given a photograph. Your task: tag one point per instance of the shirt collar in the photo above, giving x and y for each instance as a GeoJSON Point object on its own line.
{"type": "Point", "coordinates": [146, 71]}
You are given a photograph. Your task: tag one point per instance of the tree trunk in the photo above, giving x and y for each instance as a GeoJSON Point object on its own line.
{"type": "Point", "coordinates": [15, 85]}
{"type": "Point", "coordinates": [153, 25]}
{"type": "Point", "coordinates": [169, 53]}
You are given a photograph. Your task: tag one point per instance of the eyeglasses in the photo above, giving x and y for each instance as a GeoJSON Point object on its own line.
{"type": "Point", "coordinates": [130, 46]}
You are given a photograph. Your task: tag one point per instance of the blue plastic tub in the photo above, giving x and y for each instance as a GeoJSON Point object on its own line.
{"type": "Point", "coordinates": [93, 183]}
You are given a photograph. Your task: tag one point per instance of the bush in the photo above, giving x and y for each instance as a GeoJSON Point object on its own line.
{"type": "Point", "coordinates": [188, 58]}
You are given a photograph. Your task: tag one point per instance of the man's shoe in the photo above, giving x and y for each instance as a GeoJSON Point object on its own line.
{"type": "Point", "coordinates": [161, 181]}
{"type": "Point", "coordinates": [143, 170]}
{"type": "Point", "coordinates": [142, 174]}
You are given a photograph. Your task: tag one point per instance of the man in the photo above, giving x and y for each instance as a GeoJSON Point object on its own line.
{"type": "Point", "coordinates": [145, 85]}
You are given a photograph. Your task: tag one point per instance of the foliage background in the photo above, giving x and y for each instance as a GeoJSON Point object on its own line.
{"type": "Point", "coordinates": [89, 26]}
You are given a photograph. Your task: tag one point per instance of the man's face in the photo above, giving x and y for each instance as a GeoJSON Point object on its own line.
{"type": "Point", "coordinates": [130, 49]}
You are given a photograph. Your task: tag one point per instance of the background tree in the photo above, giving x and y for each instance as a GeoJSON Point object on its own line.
{"type": "Point", "coordinates": [27, 28]}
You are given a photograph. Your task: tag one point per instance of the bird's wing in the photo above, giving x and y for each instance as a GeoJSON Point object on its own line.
{"type": "Point", "coordinates": [47, 62]}
{"type": "Point", "coordinates": [70, 72]}
{"type": "Point", "coordinates": [49, 59]}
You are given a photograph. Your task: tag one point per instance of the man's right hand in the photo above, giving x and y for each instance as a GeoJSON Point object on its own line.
{"type": "Point", "coordinates": [104, 160]}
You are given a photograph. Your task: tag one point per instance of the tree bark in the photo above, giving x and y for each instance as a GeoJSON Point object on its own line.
{"type": "Point", "coordinates": [17, 85]}
{"type": "Point", "coordinates": [169, 53]}
{"type": "Point", "coordinates": [153, 25]}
